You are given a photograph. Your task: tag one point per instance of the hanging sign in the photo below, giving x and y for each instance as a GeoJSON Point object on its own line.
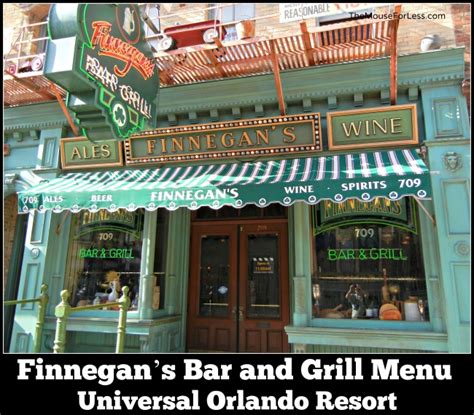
{"type": "Point", "coordinates": [263, 265]}
{"type": "Point", "coordinates": [289, 134]}
{"type": "Point", "coordinates": [112, 79]}
{"type": "Point", "coordinates": [373, 127]}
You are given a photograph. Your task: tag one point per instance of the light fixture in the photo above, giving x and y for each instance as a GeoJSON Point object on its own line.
{"type": "Point", "coordinates": [430, 42]}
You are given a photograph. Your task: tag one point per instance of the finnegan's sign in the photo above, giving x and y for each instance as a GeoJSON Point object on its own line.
{"type": "Point", "coordinates": [113, 80]}
{"type": "Point", "coordinates": [244, 138]}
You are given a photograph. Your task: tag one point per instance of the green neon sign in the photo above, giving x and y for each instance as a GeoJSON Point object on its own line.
{"type": "Point", "coordinates": [103, 253]}
{"type": "Point", "coordinates": [116, 60]}
{"type": "Point", "coordinates": [374, 254]}
{"type": "Point", "coordinates": [107, 67]}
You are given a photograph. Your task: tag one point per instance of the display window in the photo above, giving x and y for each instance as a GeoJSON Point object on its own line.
{"type": "Point", "coordinates": [368, 261]}
{"type": "Point", "coordinates": [104, 254]}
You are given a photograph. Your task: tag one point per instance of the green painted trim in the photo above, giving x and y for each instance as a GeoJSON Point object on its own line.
{"type": "Point", "coordinates": [446, 142]}
{"type": "Point", "coordinates": [34, 116]}
{"type": "Point", "coordinates": [83, 323]}
{"type": "Point", "coordinates": [416, 340]}
{"type": "Point", "coordinates": [431, 262]}
{"type": "Point", "coordinates": [300, 275]}
{"type": "Point", "coordinates": [13, 278]}
{"type": "Point", "coordinates": [147, 265]}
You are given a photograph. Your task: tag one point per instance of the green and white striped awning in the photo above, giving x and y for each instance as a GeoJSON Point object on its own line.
{"type": "Point", "coordinates": [391, 174]}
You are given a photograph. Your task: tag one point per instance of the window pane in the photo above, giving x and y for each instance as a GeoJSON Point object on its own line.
{"type": "Point", "coordinates": [231, 14]}
{"type": "Point", "coordinates": [104, 255]}
{"type": "Point", "coordinates": [244, 11]}
{"type": "Point", "coordinates": [369, 265]}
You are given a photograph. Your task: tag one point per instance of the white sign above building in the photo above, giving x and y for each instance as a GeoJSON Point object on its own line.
{"type": "Point", "coordinates": [290, 12]}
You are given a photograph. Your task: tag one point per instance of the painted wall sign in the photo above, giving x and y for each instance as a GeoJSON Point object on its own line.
{"type": "Point", "coordinates": [105, 223]}
{"type": "Point", "coordinates": [113, 80]}
{"type": "Point", "coordinates": [290, 12]}
{"type": "Point", "coordinates": [246, 138]}
{"type": "Point", "coordinates": [380, 211]}
{"type": "Point", "coordinates": [379, 207]}
{"type": "Point", "coordinates": [79, 153]}
{"type": "Point", "coordinates": [373, 127]}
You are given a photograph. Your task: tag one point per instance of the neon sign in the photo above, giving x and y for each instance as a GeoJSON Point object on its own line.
{"type": "Point", "coordinates": [394, 254]}
{"type": "Point", "coordinates": [118, 49]}
{"type": "Point", "coordinates": [107, 67]}
{"type": "Point", "coordinates": [103, 253]}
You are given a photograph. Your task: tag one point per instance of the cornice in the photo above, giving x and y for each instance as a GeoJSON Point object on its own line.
{"type": "Point", "coordinates": [35, 116]}
{"type": "Point", "coordinates": [444, 67]}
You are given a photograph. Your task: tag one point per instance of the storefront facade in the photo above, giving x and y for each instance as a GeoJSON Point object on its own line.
{"type": "Point", "coordinates": [239, 229]}
{"type": "Point", "coordinates": [172, 249]}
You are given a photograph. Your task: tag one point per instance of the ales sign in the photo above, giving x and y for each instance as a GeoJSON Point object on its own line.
{"type": "Point", "coordinates": [80, 153]}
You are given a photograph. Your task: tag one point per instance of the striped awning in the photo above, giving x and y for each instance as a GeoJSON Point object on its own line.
{"type": "Point", "coordinates": [391, 174]}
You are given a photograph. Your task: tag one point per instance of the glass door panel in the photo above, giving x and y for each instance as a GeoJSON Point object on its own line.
{"type": "Point", "coordinates": [214, 276]}
{"type": "Point", "coordinates": [263, 284]}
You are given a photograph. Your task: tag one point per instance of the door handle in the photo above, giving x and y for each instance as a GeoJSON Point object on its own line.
{"type": "Point", "coordinates": [240, 313]}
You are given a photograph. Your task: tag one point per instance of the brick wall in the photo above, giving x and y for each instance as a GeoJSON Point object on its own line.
{"type": "Point", "coordinates": [453, 28]}
{"type": "Point", "coordinates": [14, 17]}
{"type": "Point", "coordinates": [10, 205]}
{"type": "Point", "coordinates": [411, 32]}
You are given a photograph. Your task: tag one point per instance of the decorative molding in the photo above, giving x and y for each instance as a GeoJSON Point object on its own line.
{"type": "Point", "coordinates": [172, 119]}
{"type": "Point", "coordinates": [397, 339]}
{"type": "Point", "coordinates": [30, 285]}
{"type": "Point", "coordinates": [455, 203]}
{"type": "Point", "coordinates": [259, 111]}
{"type": "Point", "coordinates": [193, 118]}
{"type": "Point", "coordinates": [332, 102]}
{"type": "Point", "coordinates": [145, 344]}
{"type": "Point", "coordinates": [452, 161]}
{"type": "Point", "coordinates": [461, 276]}
{"type": "Point", "coordinates": [307, 105]}
{"type": "Point", "coordinates": [358, 99]}
{"type": "Point", "coordinates": [462, 248]}
{"type": "Point", "coordinates": [385, 96]}
{"type": "Point", "coordinates": [214, 115]}
{"type": "Point", "coordinates": [237, 114]}
{"type": "Point", "coordinates": [300, 348]}
{"type": "Point", "coordinates": [34, 117]}
{"type": "Point", "coordinates": [22, 341]}
{"type": "Point", "coordinates": [413, 93]}
{"type": "Point", "coordinates": [446, 123]}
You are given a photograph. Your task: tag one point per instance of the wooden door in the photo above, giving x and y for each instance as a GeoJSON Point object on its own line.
{"type": "Point", "coordinates": [213, 289]}
{"type": "Point", "coordinates": [238, 288]}
{"type": "Point", "coordinates": [263, 287]}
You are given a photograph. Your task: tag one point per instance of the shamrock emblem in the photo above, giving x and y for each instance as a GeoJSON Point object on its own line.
{"type": "Point", "coordinates": [119, 115]}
